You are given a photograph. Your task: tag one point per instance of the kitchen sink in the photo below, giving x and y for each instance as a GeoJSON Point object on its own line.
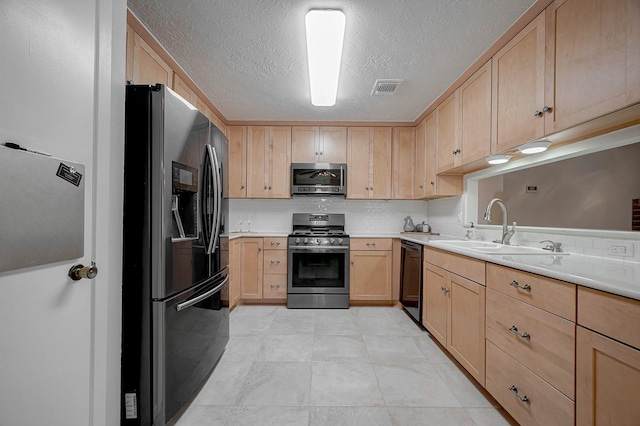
{"type": "Point", "coordinates": [487, 247]}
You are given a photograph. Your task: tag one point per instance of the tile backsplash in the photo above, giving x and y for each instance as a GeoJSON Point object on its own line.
{"type": "Point", "coordinates": [445, 215]}
{"type": "Point", "coordinates": [361, 216]}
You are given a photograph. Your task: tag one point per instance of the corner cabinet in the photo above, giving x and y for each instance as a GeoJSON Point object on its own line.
{"type": "Point", "coordinates": [403, 162]}
{"type": "Point", "coordinates": [454, 307]}
{"type": "Point", "coordinates": [370, 272]}
{"type": "Point", "coordinates": [369, 163]}
{"type": "Point", "coordinates": [268, 162]}
{"type": "Point", "coordinates": [607, 359]}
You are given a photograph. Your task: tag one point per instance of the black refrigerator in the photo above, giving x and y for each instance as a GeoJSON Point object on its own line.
{"type": "Point", "coordinates": [175, 312]}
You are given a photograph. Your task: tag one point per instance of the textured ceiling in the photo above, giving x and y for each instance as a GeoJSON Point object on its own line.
{"type": "Point", "coordinates": [249, 56]}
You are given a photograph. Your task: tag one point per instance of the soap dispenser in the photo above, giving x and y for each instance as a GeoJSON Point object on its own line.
{"type": "Point", "coordinates": [471, 233]}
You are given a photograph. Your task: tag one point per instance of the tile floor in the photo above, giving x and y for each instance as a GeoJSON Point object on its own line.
{"type": "Point", "coordinates": [362, 366]}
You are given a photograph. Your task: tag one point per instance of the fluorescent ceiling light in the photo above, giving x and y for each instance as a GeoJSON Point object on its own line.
{"type": "Point", "coordinates": [325, 35]}
{"type": "Point", "coordinates": [498, 159]}
{"type": "Point", "coordinates": [534, 147]}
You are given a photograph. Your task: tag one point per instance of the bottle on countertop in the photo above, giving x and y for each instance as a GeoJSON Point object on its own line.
{"type": "Point", "coordinates": [471, 233]}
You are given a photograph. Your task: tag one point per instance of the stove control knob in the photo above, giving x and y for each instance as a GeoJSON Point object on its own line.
{"type": "Point", "coordinates": [339, 240]}
{"type": "Point", "coordinates": [317, 241]}
{"type": "Point", "coordinates": [332, 240]}
{"type": "Point", "coordinates": [297, 240]}
{"type": "Point", "coordinates": [306, 240]}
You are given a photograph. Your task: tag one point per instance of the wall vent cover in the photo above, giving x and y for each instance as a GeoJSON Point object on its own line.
{"type": "Point", "coordinates": [385, 87]}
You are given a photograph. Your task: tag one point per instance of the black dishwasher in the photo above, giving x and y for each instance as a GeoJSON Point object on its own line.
{"type": "Point", "coordinates": [411, 280]}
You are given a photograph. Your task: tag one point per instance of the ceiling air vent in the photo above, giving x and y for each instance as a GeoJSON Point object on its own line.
{"type": "Point", "coordinates": [385, 87]}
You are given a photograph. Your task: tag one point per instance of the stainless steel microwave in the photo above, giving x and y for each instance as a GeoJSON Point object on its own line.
{"type": "Point", "coordinates": [319, 179]}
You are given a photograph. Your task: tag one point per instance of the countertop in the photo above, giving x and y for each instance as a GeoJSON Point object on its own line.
{"type": "Point", "coordinates": [601, 273]}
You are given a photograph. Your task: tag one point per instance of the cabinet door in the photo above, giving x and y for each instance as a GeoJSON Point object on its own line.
{"type": "Point", "coordinates": [420, 181]}
{"type": "Point", "coordinates": [593, 59]}
{"type": "Point", "coordinates": [235, 271]}
{"type": "Point", "coordinates": [252, 263]}
{"type": "Point", "coordinates": [304, 144]}
{"type": "Point", "coordinates": [518, 88]}
{"type": "Point", "coordinates": [148, 67]}
{"type": "Point", "coordinates": [257, 149]}
{"type": "Point", "coordinates": [447, 133]}
{"type": "Point", "coordinates": [333, 145]}
{"type": "Point", "coordinates": [237, 161]}
{"type": "Point", "coordinates": [358, 162]}
{"type": "Point", "coordinates": [607, 381]}
{"type": "Point", "coordinates": [182, 89]}
{"type": "Point", "coordinates": [279, 161]}
{"type": "Point", "coordinates": [434, 301]}
{"type": "Point", "coordinates": [404, 154]}
{"type": "Point", "coordinates": [465, 335]}
{"type": "Point", "coordinates": [475, 116]}
{"type": "Point", "coordinates": [380, 183]}
{"type": "Point", "coordinates": [437, 185]}
{"type": "Point", "coordinates": [370, 275]}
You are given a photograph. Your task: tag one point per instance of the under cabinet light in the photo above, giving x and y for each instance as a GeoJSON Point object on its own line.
{"type": "Point", "coordinates": [325, 36]}
{"type": "Point", "coordinates": [534, 147]}
{"type": "Point", "coordinates": [498, 159]}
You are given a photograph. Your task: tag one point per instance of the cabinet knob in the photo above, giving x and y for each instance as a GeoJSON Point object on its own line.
{"type": "Point", "coordinates": [321, 153]}
{"type": "Point", "coordinates": [242, 187]}
{"type": "Point", "coordinates": [352, 262]}
{"type": "Point", "coordinates": [265, 187]}
{"type": "Point", "coordinates": [420, 186]}
{"type": "Point", "coordinates": [259, 249]}
{"type": "Point", "coordinates": [316, 152]}
{"type": "Point", "coordinates": [538, 113]}
{"type": "Point", "coordinates": [371, 188]}
{"type": "Point", "coordinates": [546, 108]}
{"type": "Point", "coordinates": [432, 183]}
{"type": "Point", "coordinates": [367, 188]}
{"type": "Point", "coordinates": [269, 187]}
{"type": "Point", "coordinates": [446, 290]}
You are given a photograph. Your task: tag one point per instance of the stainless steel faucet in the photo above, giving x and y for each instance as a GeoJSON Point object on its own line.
{"type": "Point", "coordinates": [507, 231]}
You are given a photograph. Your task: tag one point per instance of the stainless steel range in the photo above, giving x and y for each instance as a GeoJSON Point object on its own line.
{"type": "Point", "coordinates": [318, 262]}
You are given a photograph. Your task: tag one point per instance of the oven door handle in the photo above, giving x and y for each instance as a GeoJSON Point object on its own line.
{"type": "Point", "coordinates": [325, 249]}
{"type": "Point", "coordinates": [190, 302]}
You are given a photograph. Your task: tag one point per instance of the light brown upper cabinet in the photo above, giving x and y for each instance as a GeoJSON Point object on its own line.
{"type": "Point", "coordinates": [447, 133]}
{"type": "Point", "coordinates": [311, 144]}
{"type": "Point", "coordinates": [428, 184]}
{"type": "Point", "coordinates": [237, 162]}
{"type": "Point", "coordinates": [464, 123]}
{"type": "Point", "coordinates": [518, 88]}
{"type": "Point", "coordinates": [577, 61]}
{"type": "Point", "coordinates": [369, 163]}
{"type": "Point", "coordinates": [268, 162]}
{"type": "Point", "coordinates": [403, 162]}
{"type": "Point", "coordinates": [592, 60]}
{"type": "Point", "coordinates": [144, 65]}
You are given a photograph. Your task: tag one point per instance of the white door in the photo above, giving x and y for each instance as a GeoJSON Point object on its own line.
{"type": "Point", "coordinates": [56, 337]}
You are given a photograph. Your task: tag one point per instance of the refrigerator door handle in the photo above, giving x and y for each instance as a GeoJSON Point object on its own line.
{"type": "Point", "coordinates": [205, 199]}
{"type": "Point", "coordinates": [188, 303]}
{"type": "Point", "coordinates": [217, 198]}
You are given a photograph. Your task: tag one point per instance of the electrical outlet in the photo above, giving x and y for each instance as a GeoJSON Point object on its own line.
{"type": "Point", "coordinates": [620, 249]}
{"type": "Point", "coordinates": [459, 216]}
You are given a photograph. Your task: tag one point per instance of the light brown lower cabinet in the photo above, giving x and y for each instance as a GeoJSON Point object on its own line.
{"type": "Point", "coordinates": [529, 399]}
{"type": "Point", "coordinates": [454, 313]}
{"type": "Point", "coordinates": [274, 280]}
{"type": "Point", "coordinates": [370, 272]}
{"type": "Point", "coordinates": [607, 370]}
{"type": "Point", "coordinates": [252, 265]}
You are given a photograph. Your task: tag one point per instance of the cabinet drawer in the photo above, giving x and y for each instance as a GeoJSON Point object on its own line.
{"type": "Point", "coordinates": [557, 297]}
{"type": "Point", "coordinates": [545, 405]}
{"type": "Point", "coordinates": [275, 262]}
{"type": "Point", "coordinates": [467, 267]}
{"type": "Point", "coordinates": [274, 286]}
{"type": "Point", "coordinates": [614, 316]}
{"type": "Point", "coordinates": [275, 243]}
{"type": "Point", "coordinates": [549, 349]}
{"type": "Point", "coordinates": [370, 244]}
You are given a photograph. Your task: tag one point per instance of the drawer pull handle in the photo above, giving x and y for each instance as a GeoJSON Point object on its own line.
{"type": "Point", "coordinates": [275, 243]}
{"type": "Point", "coordinates": [525, 287]}
{"type": "Point", "coordinates": [446, 290]}
{"type": "Point", "coordinates": [371, 244]}
{"type": "Point", "coordinates": [524, 399]}
{"type": "Point", "coordinates": [275, 261]}
{"type": "Point", "coordinates": [525, 335]}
